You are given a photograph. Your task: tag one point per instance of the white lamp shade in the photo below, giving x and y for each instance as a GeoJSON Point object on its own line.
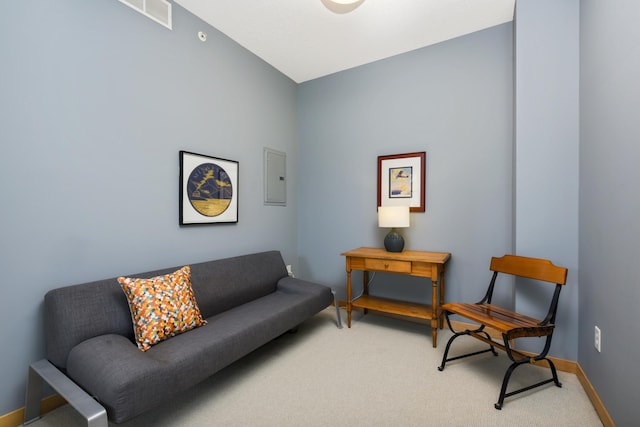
{"type": "Point", "coordinates": [393, 216]}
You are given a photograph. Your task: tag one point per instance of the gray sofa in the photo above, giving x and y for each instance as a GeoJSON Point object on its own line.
{"type": "Point", "coordinates": [247, 301]}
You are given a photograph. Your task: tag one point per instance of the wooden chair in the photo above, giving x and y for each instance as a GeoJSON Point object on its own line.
{"type": "Point", "coordinates": [510, 324]}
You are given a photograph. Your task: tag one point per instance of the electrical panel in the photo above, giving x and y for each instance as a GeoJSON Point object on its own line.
{"type": "Point", "coordinates": [275, 177]}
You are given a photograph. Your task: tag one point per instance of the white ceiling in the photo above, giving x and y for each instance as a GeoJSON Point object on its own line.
{"type": "Point", "coordinates": [304, 40]}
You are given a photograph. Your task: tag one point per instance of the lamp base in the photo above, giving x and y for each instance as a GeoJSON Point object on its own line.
{"type": "Point", "coordinates": [393, 242]}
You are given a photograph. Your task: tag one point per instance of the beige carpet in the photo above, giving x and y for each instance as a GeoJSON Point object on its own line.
{"type": "Point", "coordinates": [381, 372]}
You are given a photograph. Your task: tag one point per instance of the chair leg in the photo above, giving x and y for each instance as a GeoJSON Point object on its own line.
{"type": "Point", "coordinates": [459, 334]}
{"type": "Point", "coordinates": [446, 350]}
{"type": "Point", "coordinates": [522, 361]}
{"type": "Point", "coordinates": [507, 376]}
{"type": "Point", "coordinates": [554, 373]}
{"type": "Point", "coordinates": [505, 382]}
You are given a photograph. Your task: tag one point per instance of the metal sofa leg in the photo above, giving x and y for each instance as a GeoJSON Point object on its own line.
{"type": "Point", "coordinates": [338, 317]}
{"type": "Point", "coordinates": [43, 371]}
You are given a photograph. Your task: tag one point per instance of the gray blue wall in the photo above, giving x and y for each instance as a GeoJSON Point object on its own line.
{"type": "Point", "coordinates": [610, 203]}
{"type": "Point", "coordinates": [96, 102]}
{"type": "Point", "coordinates": [546, 156]}
{"type": "Point", "coordinates": [454, 101]}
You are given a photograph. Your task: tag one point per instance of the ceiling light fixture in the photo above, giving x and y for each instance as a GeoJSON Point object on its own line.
{"type": "Point", "coordinates": [341, 6]}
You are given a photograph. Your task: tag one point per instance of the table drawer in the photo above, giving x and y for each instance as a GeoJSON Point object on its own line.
{"type": "Point", "coordinates": [374, 264]}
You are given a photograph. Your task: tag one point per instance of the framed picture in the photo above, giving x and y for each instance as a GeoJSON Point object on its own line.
{"type": "Point", "coordinates": [208, 189]}
{"type": "Point", "coordinates": [401, 180]}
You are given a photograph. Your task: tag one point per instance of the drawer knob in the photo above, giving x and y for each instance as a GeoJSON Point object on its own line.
{"type": "Point", "coordinates": [386, 266]}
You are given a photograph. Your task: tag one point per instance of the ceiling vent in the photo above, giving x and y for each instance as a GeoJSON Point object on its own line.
{"type": "Point", "coordinates": [158, 10]}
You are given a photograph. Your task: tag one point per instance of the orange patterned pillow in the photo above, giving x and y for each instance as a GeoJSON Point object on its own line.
{"type": "Point", "coordinates": [161, 307]}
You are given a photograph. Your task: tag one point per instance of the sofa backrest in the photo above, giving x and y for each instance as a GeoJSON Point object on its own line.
{"type": "Point", "coordinates": [76, 313]}
{"type": "Point", "coordinates": [223, 284]}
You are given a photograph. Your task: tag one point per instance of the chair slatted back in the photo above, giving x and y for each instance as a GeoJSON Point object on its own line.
{"type": "Point", "coordinates": [532, 268]}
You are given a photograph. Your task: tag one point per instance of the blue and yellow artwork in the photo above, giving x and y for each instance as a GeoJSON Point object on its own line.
{"type": "Point", "coordinates": [400, 182]}
{"type": "Point", "coordinates": [209, 189]}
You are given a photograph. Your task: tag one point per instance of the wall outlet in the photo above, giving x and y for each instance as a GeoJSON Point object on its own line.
{"type": "Point", "coordinates": [597, 339]}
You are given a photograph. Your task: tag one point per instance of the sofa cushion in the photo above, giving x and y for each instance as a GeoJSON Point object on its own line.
{"type": "Point", "coordinates": [161, 307]}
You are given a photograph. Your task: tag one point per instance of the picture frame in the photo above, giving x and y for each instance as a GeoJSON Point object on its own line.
{"type": "Point", "coordinates": [208, 189]}
{"type": "Point", "coordinates": [402, 180]}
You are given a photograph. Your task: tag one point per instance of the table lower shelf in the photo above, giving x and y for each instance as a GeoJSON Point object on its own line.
{"type": "Point", "coordinates": [386, 305]}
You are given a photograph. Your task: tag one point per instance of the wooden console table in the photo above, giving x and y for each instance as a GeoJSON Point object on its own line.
{"type": "Point", "coordinates": [412, 263]}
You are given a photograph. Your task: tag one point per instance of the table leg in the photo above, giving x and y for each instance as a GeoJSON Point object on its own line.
{"type": "Point", "coordinates": [434, 310]}
{"type": "Point", "coordinates": [348, 298]}
{"type": "Point", "coordinates": [365, 286]}
{"type": "Point", "coordinates": [440, 314]}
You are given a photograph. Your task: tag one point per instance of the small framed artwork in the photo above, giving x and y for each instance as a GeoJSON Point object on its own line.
{"type": "Point", "coordinates": [208, 189]}
{"type": "Point", "coordinates": [401, 180]}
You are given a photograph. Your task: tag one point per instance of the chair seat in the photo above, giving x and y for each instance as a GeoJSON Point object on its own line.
{"type": "Point", "coordinates": [498, 318]}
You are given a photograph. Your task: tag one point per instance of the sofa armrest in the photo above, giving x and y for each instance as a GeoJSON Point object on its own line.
{"type": "Point", "coordinates": [43, 370]}
{"type": "Point", "coordinates": [294, 285]}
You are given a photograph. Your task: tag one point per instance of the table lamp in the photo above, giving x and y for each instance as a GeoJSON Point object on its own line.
{"type": "Point", "coordinates": [393, 217]}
